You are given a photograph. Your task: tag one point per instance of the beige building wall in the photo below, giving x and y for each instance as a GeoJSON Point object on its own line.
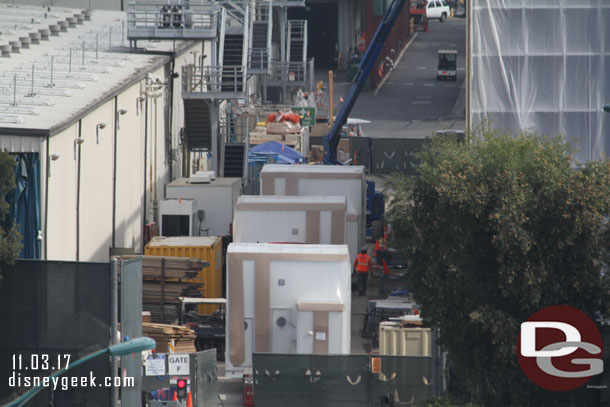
{"type": "Point", "coordinates": [95, 214]}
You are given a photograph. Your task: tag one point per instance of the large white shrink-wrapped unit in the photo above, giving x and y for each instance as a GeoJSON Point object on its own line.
{"type": "Point", "coordinates": [286, 298]}
{"type": "Point", "coordinates": [323, 180]}
{"type": "Point", "coordinates": [290, 219]}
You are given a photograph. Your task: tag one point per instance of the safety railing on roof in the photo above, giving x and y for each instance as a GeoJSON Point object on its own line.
{"type": "Point", "coordinates": [172, 19]}
{"type": "Point", "coordinates": [212, 80]}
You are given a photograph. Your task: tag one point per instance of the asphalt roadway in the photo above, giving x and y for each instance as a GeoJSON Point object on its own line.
{"type": "Point", "coordinates": [411, 103]}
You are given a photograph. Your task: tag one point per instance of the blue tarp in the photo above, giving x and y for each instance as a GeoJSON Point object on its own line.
{"type": "Point", "coordinates": [286, 154]}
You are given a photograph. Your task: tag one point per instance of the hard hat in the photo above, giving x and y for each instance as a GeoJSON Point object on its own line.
{"type": "Point", "coordinates": [363, 249]}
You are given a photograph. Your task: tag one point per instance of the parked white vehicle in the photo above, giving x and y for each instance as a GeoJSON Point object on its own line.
{"type": "Point", "coordinates": [437, 9]}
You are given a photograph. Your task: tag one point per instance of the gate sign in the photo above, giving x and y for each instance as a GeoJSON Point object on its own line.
{"type": "Point", "coordinates": [306, 114]}
{"type": "Point", "coordinates": [179, 364]}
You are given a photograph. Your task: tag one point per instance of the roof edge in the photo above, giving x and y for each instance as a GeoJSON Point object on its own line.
{"type": "Point", "coordinates": [163, 59]}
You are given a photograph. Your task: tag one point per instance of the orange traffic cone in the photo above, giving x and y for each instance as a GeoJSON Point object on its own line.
{"type": "Point", "coordinates": [189, 400]}
{"type": "Point", "coordinates": [175, 398]}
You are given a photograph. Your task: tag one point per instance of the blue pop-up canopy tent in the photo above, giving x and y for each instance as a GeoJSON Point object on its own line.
{"type": "Point", "coordinates": [286, 155]}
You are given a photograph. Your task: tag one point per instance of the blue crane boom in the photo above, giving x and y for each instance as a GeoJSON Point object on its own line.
{"type": "Point", "coordinates": [331, 140]}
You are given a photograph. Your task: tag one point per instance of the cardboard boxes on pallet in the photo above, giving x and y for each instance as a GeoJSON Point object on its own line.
{"type": "Point", "coordinates": [286, 298]}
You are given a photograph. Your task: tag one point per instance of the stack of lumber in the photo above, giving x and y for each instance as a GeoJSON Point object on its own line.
{"type": "Point", "coordinates": [183, 337]}
{"type": "Point", "coordinates": [164, 279]}
{"type": "Point", "coordinates": [157, 267]}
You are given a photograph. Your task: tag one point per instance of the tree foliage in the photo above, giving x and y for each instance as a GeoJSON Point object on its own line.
{"type": "Point", "coordinates": [495, 230]}
{"type": "Point", "coordinates": [9, 239]}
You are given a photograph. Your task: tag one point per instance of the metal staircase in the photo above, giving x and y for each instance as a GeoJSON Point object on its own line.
{"type": "Point", "coordinates": [225, 78]}
{"type": "Point", "coordinates": [293, 71]}
{"type": "Point", "coordinates": [259, 53]}
{"type": "Point", "coordinates": [197, 125]}
{"type": "Point", "coordinates": [234, 154]}
{"type": "Point", "coordinates": [296, 34]}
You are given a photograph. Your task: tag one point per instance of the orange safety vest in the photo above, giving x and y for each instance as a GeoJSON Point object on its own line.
{"type": "Point", "coordinates": [363, 263]}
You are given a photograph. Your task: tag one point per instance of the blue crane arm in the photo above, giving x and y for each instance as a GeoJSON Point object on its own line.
{"type": "Point", "coordinates": [331, 140]}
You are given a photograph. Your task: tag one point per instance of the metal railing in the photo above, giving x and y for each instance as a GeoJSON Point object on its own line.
{"type": "Point", "coordinates": [229, 79]}
{"type": "Point", "coordinates": [287, 72]}
{"type": "Point", "coordinates": [171, 19]}
{"type": "Point", "coordinates": [289, 3]}
{"type": "Point", "coordinates": [258, 58]}
{"type": "Point", "coordinates": [262, 11]}
{"type": "Point", "coordinates": [297, 29]}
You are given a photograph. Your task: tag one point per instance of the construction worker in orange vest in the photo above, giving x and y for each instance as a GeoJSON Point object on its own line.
{"type": "Point", "coordinates": [363, 267]}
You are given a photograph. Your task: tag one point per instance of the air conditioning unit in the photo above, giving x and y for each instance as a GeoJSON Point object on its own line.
{"type": "Point", "coordinates": [178, 217]}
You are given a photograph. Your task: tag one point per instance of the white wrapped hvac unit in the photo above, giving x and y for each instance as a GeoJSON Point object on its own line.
{"type": "Point", "coordinates": [286, 298]}
{"type": "Point", "coordinates": [290, 219]}
{"type": "Point", "coordinates": [217, 199]}
{"type": "Point", "coordinates": [323, 180]}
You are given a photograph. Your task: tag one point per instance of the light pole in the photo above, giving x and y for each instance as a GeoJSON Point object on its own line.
{"type": "Point", "coordinates": [125, 348]}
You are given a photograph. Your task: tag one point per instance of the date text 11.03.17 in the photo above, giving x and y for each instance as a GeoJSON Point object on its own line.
{"type": "Point", "coordinates": [41, 362]}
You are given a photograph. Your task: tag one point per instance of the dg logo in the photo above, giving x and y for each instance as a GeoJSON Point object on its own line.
{"type": "Point", "coordinates": [560, 348]}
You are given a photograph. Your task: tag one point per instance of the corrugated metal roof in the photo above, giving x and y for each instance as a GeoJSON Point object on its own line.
{"type": "Point", "coordinates": [56, 64]}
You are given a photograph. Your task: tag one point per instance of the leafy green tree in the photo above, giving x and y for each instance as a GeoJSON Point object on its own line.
{"type": "Point", "coordinates": [10, 240]}
{"type": "Point", "coordinates": [495, 230]}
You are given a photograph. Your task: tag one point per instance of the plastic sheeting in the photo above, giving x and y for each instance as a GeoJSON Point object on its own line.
{"type": "Point", "coordinates": [323, 180]}
{"type": "Point", "coordinates": [286, 299]}
{"type": "Point", "coordinates": [543, 66]}
{"type": "Point", "coordinates": [290, 219]}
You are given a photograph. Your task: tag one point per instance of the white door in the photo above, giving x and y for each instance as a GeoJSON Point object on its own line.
{"type": "Point", "coordinates": [305, 332]}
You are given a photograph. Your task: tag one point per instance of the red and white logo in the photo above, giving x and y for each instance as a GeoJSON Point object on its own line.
{"type": "Point", "coordinates": [560, 348]}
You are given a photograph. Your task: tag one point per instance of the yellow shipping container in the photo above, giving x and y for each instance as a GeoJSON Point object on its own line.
{"type": "Point", "coordinates": [199, 247]}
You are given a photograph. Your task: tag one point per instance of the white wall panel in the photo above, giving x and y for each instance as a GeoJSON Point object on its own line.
{"type": "Point", "coordinates": [61, 224]}
{"type": "Point", "coordinates": [96, 184]}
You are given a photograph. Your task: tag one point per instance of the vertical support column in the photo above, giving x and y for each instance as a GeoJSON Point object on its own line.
{"type": "Point", "coordinates": [114, 322]}
{"type": "Point", "coordinates": [213, 110]}
{"type": "Point", "coordinates": [283, 18]}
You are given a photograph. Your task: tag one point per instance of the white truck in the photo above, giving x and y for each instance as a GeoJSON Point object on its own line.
{"type": "Point", "coordinates": [437, 9]}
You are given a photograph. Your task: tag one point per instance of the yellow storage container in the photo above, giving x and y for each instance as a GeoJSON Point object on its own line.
{"type": "Point", "coordinates": [199, 247]}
